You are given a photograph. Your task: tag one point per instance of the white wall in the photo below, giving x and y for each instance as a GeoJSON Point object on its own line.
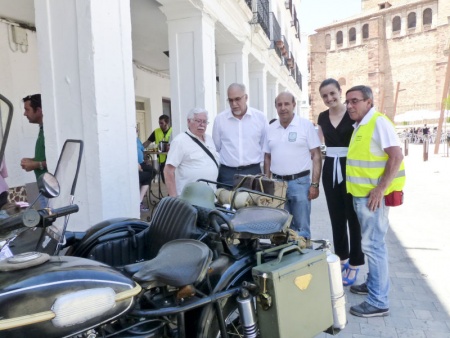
{"type": "Point", "coordinates": [20, 77]}
{"type": "Point", "coordinates": [154, 88]}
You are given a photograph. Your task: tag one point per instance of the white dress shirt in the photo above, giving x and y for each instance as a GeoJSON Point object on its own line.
{"type": "Point", "coordinates": [240, 142]}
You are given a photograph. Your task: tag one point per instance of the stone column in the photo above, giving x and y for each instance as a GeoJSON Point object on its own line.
{"type": "Point", "coordinates": [85, 65]}
{"type": "Point", "coordinates": [272, 92]}
{"type": "Point", "coordinates": [258, 87]}
{"type": "Point", "coordinates": [192, 61]}
{"type": "Point", "coordinates": [233, 68]}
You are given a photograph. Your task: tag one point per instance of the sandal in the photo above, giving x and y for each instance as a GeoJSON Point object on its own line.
{"type": "Point", "coordinates": [344, 267]}
{"type": "Point", "coordinates": [350, 281]}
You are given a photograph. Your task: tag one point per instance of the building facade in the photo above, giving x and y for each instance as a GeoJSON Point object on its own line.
{"type": "Point", "coordinates": [105, 66]}
{"type": "Point", "coordinates": [399, 48]}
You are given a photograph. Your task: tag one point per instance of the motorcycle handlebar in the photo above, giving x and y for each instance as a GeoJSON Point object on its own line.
{"type": "Point", "coordinates": [60, 212]}
{"type": "Point", "coordinates": [31, 218]}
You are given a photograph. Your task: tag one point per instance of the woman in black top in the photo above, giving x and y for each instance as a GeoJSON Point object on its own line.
{"type": "Point", "coordinates": [336, 128]}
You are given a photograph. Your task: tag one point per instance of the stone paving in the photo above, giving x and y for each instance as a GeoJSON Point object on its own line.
{"type": "Point", "coordinates": [419, 254]}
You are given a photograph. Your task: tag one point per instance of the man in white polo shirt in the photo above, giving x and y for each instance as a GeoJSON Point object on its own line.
{"type": "Point", "coordinates": [292, 151]}
{"type": "Point", "coordinates": [238, 134]}
{"type": "Point", "coordinates": [192, 155]}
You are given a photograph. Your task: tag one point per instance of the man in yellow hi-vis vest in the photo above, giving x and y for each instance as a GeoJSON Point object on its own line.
{"type": "Point", "coordinates": [161, 134]}
{"type": "Point", "coordinates": [374, 169]}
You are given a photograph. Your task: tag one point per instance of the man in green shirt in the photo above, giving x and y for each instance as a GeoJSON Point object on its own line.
{"type": "Point", "coordinates": [33, 112]}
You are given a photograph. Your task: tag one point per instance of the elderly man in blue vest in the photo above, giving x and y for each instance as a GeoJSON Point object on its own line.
{"type": "Point", "coordinates": [375, 169]}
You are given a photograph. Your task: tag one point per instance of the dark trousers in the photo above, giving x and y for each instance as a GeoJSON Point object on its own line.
{"type": "Point", "coordinates": [226, 174]}
{"type": "Point", "coordinates": [3, 198]}
{"type": "Point", "coordinates": [161, 171]}
{"type": "Point", "coordinates": [147, 174]}
{"type": "Point", "coordinates": [340, 208]}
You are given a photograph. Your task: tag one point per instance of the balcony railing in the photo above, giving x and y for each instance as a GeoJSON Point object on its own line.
{"type": "Point", "coordinates": [288, 4]}
{"type": "Point", "coordinates": [262, 16]}
{"type": "Point", "coordinates": [296, 24]}
{"type": "Point", "coordinates": [276, 42]}
{"type": "Point", "coordinates": [249, 4]}
{"type": "Point", "coordinates": [286, 47]}
{"type": "Point", "coordinates": [298, 77]}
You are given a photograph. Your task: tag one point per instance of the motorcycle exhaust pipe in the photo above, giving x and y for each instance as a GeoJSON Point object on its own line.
{"type": "Point", "coordinates": [247, 314]}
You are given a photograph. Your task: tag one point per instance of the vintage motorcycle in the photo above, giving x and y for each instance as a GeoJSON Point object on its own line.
{"type": "Point", "coordinates": [169, 278]}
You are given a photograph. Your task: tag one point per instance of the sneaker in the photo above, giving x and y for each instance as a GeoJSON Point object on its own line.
{"type": "Point", "coordinates": [366, 310]}
{"type": "Point", "coordinates": [360, 289]}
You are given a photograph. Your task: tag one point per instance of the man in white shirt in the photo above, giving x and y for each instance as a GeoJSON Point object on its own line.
{"type": "Point", "coordinates": [292, 150]}
{"type": "Point", "coordinates": [187, 161]}
{"type": "Point", "coordinates": [238, 134]}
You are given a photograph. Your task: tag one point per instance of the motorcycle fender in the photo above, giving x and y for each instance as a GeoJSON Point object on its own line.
{"type": "Point", "coordinates": [62, 297]}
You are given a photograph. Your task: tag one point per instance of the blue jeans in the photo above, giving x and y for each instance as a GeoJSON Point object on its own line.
{"type": "Point", "coordinates": [299, 206]}
{"type": "Point", "coordinates": [374, 226]}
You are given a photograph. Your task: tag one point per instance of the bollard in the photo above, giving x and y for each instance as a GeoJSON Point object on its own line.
{"type": "Point", "coordinates": [406, 146]}
{"type": "Point", "coordinates": [425, 149]}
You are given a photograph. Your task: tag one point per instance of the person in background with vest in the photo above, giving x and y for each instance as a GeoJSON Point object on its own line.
{"type": "Point", "coordinates": [161, 134]}
{"type": "Point", "coordinates": [375, 168]}
{"type": "Point", "coordinates": [33, 112]}
{"type": "Point", "coordinates": [192, 155]}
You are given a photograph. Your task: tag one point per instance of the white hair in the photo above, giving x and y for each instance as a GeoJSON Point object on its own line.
{"type": "Point", "coordinates": [195, 111]}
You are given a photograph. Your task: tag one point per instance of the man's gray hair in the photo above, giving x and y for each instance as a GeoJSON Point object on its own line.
{"type": "Point", "coordinates": [195, 111]}
{"type": "Point", "coordinates": [237, 85]}
{"type": "Point", "coordinates": [366, 92]}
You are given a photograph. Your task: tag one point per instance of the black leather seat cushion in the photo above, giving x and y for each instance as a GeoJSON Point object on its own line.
{"type": "Point", "coordinates": [173, 219]}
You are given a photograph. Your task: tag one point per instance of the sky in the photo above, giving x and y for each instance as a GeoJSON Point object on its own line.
{"type": "Point", "coordinates": [317, 13]}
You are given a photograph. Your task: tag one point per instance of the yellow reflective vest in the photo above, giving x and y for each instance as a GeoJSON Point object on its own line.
{"type": "Point", "coordinates": [159, 136]}
{"type": "Point", "coordinates": [365, 169]}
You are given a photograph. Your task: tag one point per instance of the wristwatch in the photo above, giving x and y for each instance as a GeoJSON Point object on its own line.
{"type": "Point", "coordinates": [315, 185]}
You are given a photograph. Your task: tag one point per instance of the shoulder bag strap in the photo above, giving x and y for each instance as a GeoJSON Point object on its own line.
{"type": "Point", "coordinates": [204, 148]}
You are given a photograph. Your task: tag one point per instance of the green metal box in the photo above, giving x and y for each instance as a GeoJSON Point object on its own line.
{"type": "Point", "coordinates": [294, 299]}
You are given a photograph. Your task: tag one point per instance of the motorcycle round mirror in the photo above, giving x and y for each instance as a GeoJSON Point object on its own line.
{"type": "Point", "coordinates": [48, 185]}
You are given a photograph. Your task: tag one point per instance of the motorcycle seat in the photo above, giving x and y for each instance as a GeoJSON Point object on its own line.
{"type": "Point", "coordinates": [178, 263]}
{"type": "Point", "coordinates": [260, 221]}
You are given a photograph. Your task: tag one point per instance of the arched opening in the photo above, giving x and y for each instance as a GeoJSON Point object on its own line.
{"type": "Point", "coordinates": [412, 20]}
{"type": "Point", "coordinates": [365, 31]}
{"type": "Point", "coordinates": [396, 24]}
{"type": "Point", "coordinates": [352, 34]}
{"type": "Point", "coordinates": [339, 38]}
{"type": "Point", "coordinates": [427, 16]}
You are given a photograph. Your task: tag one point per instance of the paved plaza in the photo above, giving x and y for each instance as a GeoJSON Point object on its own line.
{"type": "Point", "coordinates": [419, 254]}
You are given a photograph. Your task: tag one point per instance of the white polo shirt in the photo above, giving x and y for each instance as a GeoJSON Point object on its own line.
{"type": "Point", "coordinates": [191, 161]}
{"type": "Point", "coordinates": [240, 142]}
{"type": "Point", "coordinates": [290, 148]}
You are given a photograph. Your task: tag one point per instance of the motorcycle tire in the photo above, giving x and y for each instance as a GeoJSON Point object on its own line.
{"type": "Point", "coordinates": [231, 317]}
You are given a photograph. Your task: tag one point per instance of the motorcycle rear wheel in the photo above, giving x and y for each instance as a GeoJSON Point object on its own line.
{"type": "Point", "coordinates": [231, 317]}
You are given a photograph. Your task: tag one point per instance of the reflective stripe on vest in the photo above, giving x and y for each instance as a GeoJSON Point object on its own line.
{"type": "Point", "coordinates": [364, 169]}
{"type": "Point", "coordinates": [159, 136]}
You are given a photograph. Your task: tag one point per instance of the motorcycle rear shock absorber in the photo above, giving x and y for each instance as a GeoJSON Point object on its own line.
{"type": "Point", "coordinates": [247, 313]}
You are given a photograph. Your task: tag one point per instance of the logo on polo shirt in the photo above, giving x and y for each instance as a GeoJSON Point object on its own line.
{"type": "Point", "coordinates": [292, 136]}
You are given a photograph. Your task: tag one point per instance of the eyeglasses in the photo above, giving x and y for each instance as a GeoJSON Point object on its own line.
{"type": "Point", "coordinates": [200, 121]}
{"type": "Point", "coordinates": [353, 101]}
{"type": "Point", "coordinates": [236, 99]}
